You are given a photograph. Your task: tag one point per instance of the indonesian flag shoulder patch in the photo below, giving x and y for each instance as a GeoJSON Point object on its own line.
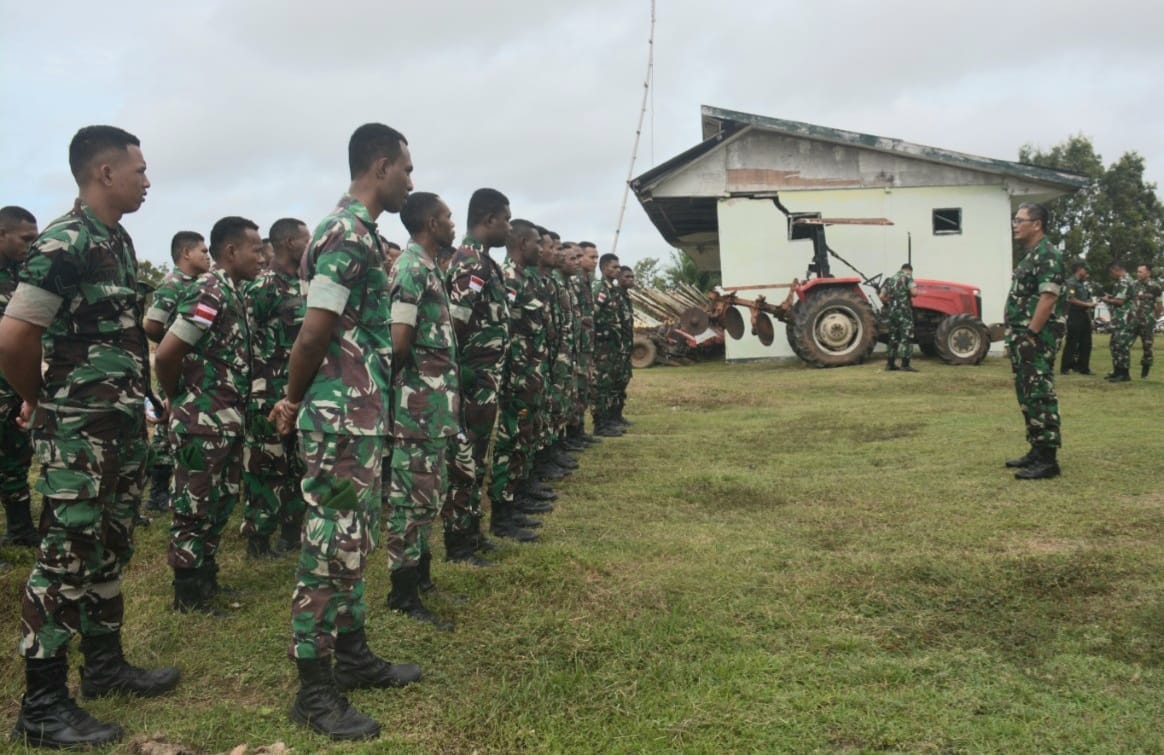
{"type": "Point", "coordinates": [601, 297]}
{"type": "Point", "coordinates": [476, 283]}
{"type": "Point", "coordinates": [204, 314]}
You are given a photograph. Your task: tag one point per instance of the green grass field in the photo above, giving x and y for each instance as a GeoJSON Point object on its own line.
{"type": "Point", "coordinates": [774, 559]}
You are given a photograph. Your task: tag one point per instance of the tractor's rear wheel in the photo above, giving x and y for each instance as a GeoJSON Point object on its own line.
{"type": "Point", "coordinates": [643, 352]}
{"type": "Point", "coordinates": [962, 339]}
{"type": "Point", "coordinates": [834, 328]}
{"type": "Point", "coordinates": [790, 334]}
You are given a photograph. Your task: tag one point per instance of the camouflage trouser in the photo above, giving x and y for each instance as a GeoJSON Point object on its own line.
{"type": "Point", "coordinates": [516, 437]}
{"type": "Point", "coordinates": [15, 454]}
{"type": "Point", "coordinates": [606, 381]}
{"type": "Point", "coordinates": [1147, 334]}
{"type": "Point", "coordinates": [271, 483]}
{"type": "Point", "coordinates": [1122, 338]}
{"type": "Point", "coordinates": [206, 488]}
{"type": "Point", "coordinates": [622, 380]}
{"type": "Point", "coordinates": [161, 452]}
{"type": "Point", "coordinates": [900, 325]}
{"type": "Point", "coordinates": [420, 481]}
{"type": "Point", "coordinates": [341, 526]}
{"type": "Point", "coordinates": [91, 479]}
{"type": "Point", "coordinates": [583, 381]}
{"type": "Point", "coordinates": [1033, 364]}
{"type": "Point", "coordinates": [466, 474]}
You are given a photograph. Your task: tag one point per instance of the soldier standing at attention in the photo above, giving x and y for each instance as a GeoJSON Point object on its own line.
{"type": "Point", "coordinates": [607, 347]}
{"type": "Point", "coordinates": [191, 259]}
{"type": "Point", "coordinates": [1122, 305]}
{"type": "Point", "coordinates": [896, 294]}
{"type": "Point", "coordinates": [626, 281]}
{"type": "Point", "coordinates": [1034, 312]}
{"type": "Point", "coordinates": [338, 395]}
{"type": "Point", "coordinates": [479, 304]}
{"type": "Point", "coordinates": [17, 232]}
{"type": "Point", "coordinates": [1147, 304]}
{"type": "Point", "coordinates": [272, 469]}
{"type": "Point", "coordinates": [426, 404]}
{"type": "Point", "coordinates": [584, 289]}
{"type": "Point", "coordinates": [1080, 308]}
{"type": "Point", "coordinates": [78, 299]}
{"type": "Point", "coordinates": [203, 366]}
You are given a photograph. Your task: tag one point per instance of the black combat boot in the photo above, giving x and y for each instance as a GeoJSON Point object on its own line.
{"type": "Point", "coordinates": [259, 547]}
{"type": "Point", "coordinates": [210, 579]}
{"type": "Point", "coordinates": [405, 598]}
{"type": "Point", "coordinates": [461, 547]}
{"type": "Point", "coordinates": [106, 671]}
{"type": "Point", "coordinates": [559, 456]}
{"type": "Point", "coordinates": [357, 667]}
{"type": "Point", "coordinates": [424, 581]}
{"type": "Point", "coordinates": [320, 705]}
{"type": "Point", "coordinates": [50, 718]}
{"type": "Point", "coordinates": [604, 427]}
{"type": "Point", "coordinates": [905, 366]}
{"type": "Point", "coordinates": [1022, 462]}
{"type": "Point", "coordinates": [621, 420]}
{"type": "Point", "coordinates": [18, 513]}
{"type": "Point", "coordinates": [192, 593]}
{"type": "Point", "coordinates": [527, 504]}
{"type": "Point", "coordinates": [481, 544]}
{"type": "Point", "coordinates": [1046, 467]}
{"type": "Point", "coordinates": [501, 523]}
{"type": "Point", "coordinates": [891, 365]}
{"type": "Point", "coordinates": [159, 499]}
{"type": "Point", "coordinates": [1144, 370]}
{"type": "Point", "coordinates": [289, 538]}
{"type": "Point", "coordinates": [535, 488]}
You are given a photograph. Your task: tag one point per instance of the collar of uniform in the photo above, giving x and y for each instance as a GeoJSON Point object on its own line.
{"type": "Point", "coordinates": [469, 240]}
{"type": "Point", "coordinates": [224, 279]}
{"type": "Point", "coordinates": [350, 204]}
{"type": "Point", "coordinates": [414, 248]}
{"type": "Point", "coordinates": [101, 231]}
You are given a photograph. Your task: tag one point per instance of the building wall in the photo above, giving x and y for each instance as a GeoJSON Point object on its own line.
{"type": "Point", "coordinates": [755, 249]}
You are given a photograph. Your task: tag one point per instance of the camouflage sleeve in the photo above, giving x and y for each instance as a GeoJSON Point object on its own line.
{"type": "Point", "coordinates": [197, 313]}
{"type": "Point", "coordinates": [164, 302]}
{"type": "Point", "coordinates": [340, 263]}
{"type": "Point", "coordinates": [1049, 270]}
{"type": "Point", "coordinates": [405, 289]}
{"type": "Point", "coordinates": [262, 298]}
{"type": "Point", "coordinates": [52, 273]}
{"type": "Point", "coordinates": [465, 283]}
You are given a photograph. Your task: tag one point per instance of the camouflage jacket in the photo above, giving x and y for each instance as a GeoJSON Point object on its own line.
{"type": "Point", "coordinates": [898, 290]}
{"type": "Point", "coordinates": [527, 331]}
{"type": "Point", "coordinates": [277, 303]}
{"type": "Point", "coordinates": [1123, 289]}
{"type": "Point", "coordinates": [607, 318]}
{"type": "Point", "coordinates": [627, 314]}
{"type": "Point", "coordinates": [1145, 295]}
{"type": "Point", "coordinates": [216, 373]}
{"type": "Point", "coordinates": [426, 395]}
{"type": "Point", "coordinates": [174, 289]}
{"type": "Point", "coordinates": [584, 294]}
{"type": "Point", "coordinates": [350, 394]}
{"type": "Point", "coordinates": [1039, 272]}
{"type": "Point", "coordinates": [564, 313]}
{"type": "Point", "coordinates": [9, 276]}
{"type": "Point", "coordinates": [80, 284]}
{"type": "Point", "coordinates": [478, 300]}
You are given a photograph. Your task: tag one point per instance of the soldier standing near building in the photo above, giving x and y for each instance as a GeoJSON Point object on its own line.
{"type": "Point", "coordinates": [626, 281]}
{"type": "Point", "coordinates": [1122, 306]}
{"type": "Point", "coordinates": [426, 404]}
{"type": "Point", "coordinates": [479, 304]}
{"type": "Point", "coordinates": [272, 469]}
{"type": "Point", "coordinates": [191, 259]}
{"type": "Point", "coordinates": [1034, 312]}
{"type": "Point", "coordinates": [896, 294]}
{"type": "Point", "coordinates": [204, 368]}
{"type": "Point", "coordinates": [1147, 309]}
{"type": "Point", "coordinates": [78, 298]}
{"type": "Point", "coordinates": [608, 337]}
{"type": "Point", "coordinates": [1080, 308]}
{"type": "Point", "coordinates": [17, 232]}
{"type": "Point", "coordinates": [338, 395]}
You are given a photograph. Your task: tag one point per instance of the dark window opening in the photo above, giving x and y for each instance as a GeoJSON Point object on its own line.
{"type": "Point", "coordinates": [947, 221]}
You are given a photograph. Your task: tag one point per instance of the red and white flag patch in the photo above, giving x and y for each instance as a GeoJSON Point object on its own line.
{"type": "Point", "coordinates": [476, 283]}
{"type": "Point", "coordinates": [601, 297]}
{"type": "Point", "coordinates": [204, 314]}
{"type": "Point", "coordinates": [512, 294]}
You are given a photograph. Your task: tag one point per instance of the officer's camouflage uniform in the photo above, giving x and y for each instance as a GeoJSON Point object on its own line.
{"type": "Point", "coordinates": [478, 300]}
{"type": "Point", "coordinates": [898, 314]}
{"type": "Point", "coordinates": [206, 417]}
{"type": "Point", "coordinates": [1033, 360]}
{"type": "Point", "coordinates": [1123, 326]}
{"type": "Point", "coordinates": [563, 371]}
{"type": "Point", "coordinates": [15, 446]}
{"type": "Point", "coordinates": [608, 336]}
{"type": "Point", "coordinates": [343, 424]}
{"type": "Point", "coordinates": [273, 469]}
{"type": "Point", "coordinates": [584, 360]}
{"type": "Point", "coordinates": [426, 404]}
{"type": "Point", "coordinates": [1145, 294]}
{"type": "Point", "coordinates": [626, 346]}
{"type": "Point", "coordinates": [80, 283]}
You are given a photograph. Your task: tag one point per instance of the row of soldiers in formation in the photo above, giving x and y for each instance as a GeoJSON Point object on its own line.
{"type": "Point", "coordinates": [347, 393]}
{"type": "Point", "coordinates": [1134, 304]}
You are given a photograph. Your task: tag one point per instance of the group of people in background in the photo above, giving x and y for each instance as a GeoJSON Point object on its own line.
{"type": "Point", "coordinates": [346, 388]}
{"type": "Point", "coordinates": [1135, 305]}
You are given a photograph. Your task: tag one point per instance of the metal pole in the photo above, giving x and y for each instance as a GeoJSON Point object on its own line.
{"type": "Point", "coordinates": [639, 130]}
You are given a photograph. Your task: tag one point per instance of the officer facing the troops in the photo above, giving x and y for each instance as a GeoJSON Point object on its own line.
{"type": "Point", "coordinates": [1034, 312]}
{"type": "Point", "coordinates": [896, 294]}
{"type": "Point", "coordinates": [338, 396]}
{"type": "Point", "coordinates": [78, 298]}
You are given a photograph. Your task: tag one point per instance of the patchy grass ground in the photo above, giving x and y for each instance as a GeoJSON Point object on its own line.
{"type": "Point", "coordinates": [774, 559]}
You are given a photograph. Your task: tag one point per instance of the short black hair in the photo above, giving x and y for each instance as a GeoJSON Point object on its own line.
{"type": "Point", "coordinates": [12, 216]}
{"type": "Point", "coordinates": [369, 143]}
{"type": "Point", "coordinates": [485, 202]}
{"type": "Point", "coordinates": [1079, 266]}
{"type": "Point", "coordinates": [1117, 265]}
{"type": "Point", "coordinates": [391, 244]}
{"type": "Point", "coordinates": [626, 268]}
{"type": "Point", "coordinates": [418, 209]}
{"type": "Point", "coordinates": [519, 228]}
{"type": "Point", "coordinates": [587, 245]}
{"type": "Point", "coordinates": [92, 141]}
{"type": "Point", "coordinates": [606, 259]}
{"type": "Point", "coordinates": [283, 229]}
{"type": "Point", "coordinates": [555, 236]}
{"type": "Point", "coordinates": [542, 230]}
{"type": "Point", "coordinates": [1147, 266]}
{"type": "Point", "coordinates": [226, 230]}
{"type": "Point", "coordinates": [1037, 212]}
{"type": "Point", "coordinates": [182, 241]}
{"type": "Point", "coordinates": [907, 266]}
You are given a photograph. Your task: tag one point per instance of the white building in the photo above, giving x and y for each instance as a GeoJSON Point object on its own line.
{"type": "Point", "coordinates": [952, 210]}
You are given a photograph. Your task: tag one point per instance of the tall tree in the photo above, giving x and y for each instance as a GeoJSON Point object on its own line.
{"type": "Point", "coordinates": [683, 270]}
{"type": "Point", "coordinates": [647, 273]}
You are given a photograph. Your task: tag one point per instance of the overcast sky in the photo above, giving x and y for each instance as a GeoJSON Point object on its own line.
{"type": "Point", "coordinates": [245, 108]}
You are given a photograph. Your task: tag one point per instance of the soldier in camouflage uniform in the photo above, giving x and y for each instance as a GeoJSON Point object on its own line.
{"type": "Point", "coordinates": [426, 405]}
{"type": "Point", "coordinates": [78, 299]}
{"type": "Point", "coordinates": [1121, 303]}
{"type": "Point", "coordinates": [17, 232]}
{"type": "Point", "coordinates": [338, 395]}
{"type": "Point", "coordinates": [272, 468]}
{"type": "Point", "coordinates": [1035, 314]}
{"type": "Point", "coordinates": [479, 304]}
{"type": "Point", "coordinates": [1146, 299]}
{"type": "Point", "coordinates": [583, 282]}
{"type": "Point", "coordinates": [896, 295]}
{"type": "Point", "coordinates": [567, 263]}
{"type": "Point", "coordinates": [547, 289]}
{"type": "Point", "coordinates": [191, 259]}
{"type": "Point", "coordinates": [1080, 309]}
{"type": "Point", "coordinates": [608, 348]}
{"type": "Point", "coordinates": [204, 368]}
{"type": "Point", "coordinates": [626, 281]}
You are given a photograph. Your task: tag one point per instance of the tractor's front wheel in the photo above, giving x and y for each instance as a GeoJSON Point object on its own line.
{"type": "Point", "coordinates": [962, 339]}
